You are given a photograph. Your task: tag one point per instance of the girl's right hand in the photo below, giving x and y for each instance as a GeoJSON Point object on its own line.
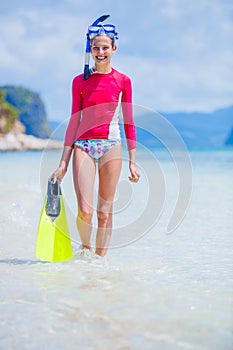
{"type": "Point", "coordinates": [58, 174]}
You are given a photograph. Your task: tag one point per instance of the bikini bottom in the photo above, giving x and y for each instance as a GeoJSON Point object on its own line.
{"type": "Point", "coordinates": [96, 148]}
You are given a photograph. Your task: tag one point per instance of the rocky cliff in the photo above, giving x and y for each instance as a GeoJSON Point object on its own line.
{"type": "Point", "coordinates": [23, 121]}
{"type": "Point", "coordinates": [31, 110]}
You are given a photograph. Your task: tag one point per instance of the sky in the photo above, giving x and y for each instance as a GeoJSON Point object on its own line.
{"type": "Point", "coordinates": [178, 53]}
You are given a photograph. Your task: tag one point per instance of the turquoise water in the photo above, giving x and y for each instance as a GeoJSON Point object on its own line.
{"type": "Point", "coordinates": [153, 291]}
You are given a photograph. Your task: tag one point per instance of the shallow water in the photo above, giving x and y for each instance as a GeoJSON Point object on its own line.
{"type": "Point", "coordinates": [158, 292]}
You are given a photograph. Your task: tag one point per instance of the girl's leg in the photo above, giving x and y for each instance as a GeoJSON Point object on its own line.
{"type": "Point", "coordinates": [109, 172]}
{"type": "Point", "coordinates": [84, 177]}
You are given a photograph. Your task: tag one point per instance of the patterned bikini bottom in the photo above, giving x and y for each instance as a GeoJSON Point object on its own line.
{"type": "Point", "coordinates": [96, 148]}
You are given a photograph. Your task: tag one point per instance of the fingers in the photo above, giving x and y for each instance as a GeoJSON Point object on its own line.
{"type": "Point", "coordinates": [134, 176]}
{"type": "Point", "coordinates": [56, 176]}
{"type": "Point", "coordinates": [54, 179]}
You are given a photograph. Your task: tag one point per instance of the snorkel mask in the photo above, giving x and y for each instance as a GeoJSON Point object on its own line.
{"type": "Point", "coordinates": [94, 30]}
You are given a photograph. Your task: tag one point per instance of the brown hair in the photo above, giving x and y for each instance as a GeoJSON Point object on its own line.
{"type": "Point", "coordinates": [112, 39]}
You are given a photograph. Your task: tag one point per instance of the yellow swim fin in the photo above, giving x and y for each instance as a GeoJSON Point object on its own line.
{"type": "Point", "coordinates": [53, 239]}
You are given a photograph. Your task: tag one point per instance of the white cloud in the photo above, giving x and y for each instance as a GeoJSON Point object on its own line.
{"type": "Point", "coordinates": [180, 85]}
{"type": "Point", "coordinates": [178, 53]}
{"type": "Point", "coordinates": [39, 51]}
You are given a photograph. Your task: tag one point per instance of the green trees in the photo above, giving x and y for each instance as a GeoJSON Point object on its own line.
{"type": "Point", "coordinates": [8, 115]}
{"type": "Point", "coordinates": [31, 110]}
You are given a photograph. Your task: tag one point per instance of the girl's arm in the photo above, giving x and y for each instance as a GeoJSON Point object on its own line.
{"type": "Point", "coordinates": [135, 175]}
{"type": "Point", "coordinates": [60, 172]}
{"type": "Point", "coordinates": [71, 130]}
{"type": "Point", "coordinates": [130, 130]}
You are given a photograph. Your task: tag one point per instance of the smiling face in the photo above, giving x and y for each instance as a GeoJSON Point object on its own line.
{"type": "Point", "coordinates": [102, 50]}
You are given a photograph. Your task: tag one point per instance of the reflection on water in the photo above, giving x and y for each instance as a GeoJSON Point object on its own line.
{"type": "Point", "coordinates": [161, 292]}
{"type": "Point", "coordinates": [16, 261]}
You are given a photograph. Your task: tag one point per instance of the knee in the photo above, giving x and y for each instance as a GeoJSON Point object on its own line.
{"type": "Point", "coordinates": [85, 215]}
{"type": "Point", "coordinates": [103, 217]}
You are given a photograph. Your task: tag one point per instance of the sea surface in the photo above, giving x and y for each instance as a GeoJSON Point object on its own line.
{"type": "Point", "coordinates": [153, 290]}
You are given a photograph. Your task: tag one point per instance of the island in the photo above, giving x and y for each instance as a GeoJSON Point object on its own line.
{"type": "Point", "coordinates": [23, 121]}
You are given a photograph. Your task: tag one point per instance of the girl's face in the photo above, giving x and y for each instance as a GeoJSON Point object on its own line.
{"type": "Point", "coordinates": [102, 50]}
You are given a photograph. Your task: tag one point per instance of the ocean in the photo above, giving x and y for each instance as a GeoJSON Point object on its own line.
{"type": "Point", "coordinates": [166, 282]}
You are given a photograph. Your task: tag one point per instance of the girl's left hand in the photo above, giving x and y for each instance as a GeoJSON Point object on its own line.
{"type": "Point", "coordinates": [135, 175]}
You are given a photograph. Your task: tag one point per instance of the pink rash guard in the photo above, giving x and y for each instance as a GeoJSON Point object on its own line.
{"type": "Point", "coordinates": [96, 107]}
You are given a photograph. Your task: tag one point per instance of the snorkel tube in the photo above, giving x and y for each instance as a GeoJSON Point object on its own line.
{"type": "Point", "coordinates": [88, 47]}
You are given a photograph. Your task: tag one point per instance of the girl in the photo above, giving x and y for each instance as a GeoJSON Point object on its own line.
{"type": "Point", "coordinates": [93, 135]}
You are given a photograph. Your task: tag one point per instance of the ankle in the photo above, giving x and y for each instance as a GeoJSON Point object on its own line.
{"type": "Point", "coordinates": [101, 251]}
{"type": "Point", "coordinates": [86, 246]}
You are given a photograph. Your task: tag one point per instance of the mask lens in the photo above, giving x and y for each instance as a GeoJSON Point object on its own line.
{"type": "Point", "coordinates": [93, 29]}
{"type": "Point", "coordinates": [107, 29]}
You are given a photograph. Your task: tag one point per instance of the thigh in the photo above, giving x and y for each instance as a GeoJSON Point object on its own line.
{"type": "Point", "coordinates": [84, 169]}
{"type": "Point", "coordinates": [109, 173]}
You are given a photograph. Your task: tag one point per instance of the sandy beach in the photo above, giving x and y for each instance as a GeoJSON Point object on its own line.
{"type": "Point", "coordinates": [23, 142]}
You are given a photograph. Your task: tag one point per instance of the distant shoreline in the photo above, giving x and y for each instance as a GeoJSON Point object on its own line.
{"type": "Point", "coordinates": [23, 142]}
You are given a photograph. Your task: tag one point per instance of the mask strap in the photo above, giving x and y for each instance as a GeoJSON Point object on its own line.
{"type": "Point", "coordinates": [88, 47]}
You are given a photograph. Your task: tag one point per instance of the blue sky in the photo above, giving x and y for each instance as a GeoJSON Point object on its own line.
{"type": "Point", "coordinates": [178, 53]}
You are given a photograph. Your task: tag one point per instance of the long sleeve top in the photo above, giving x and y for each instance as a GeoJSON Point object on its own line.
{"type": "Point", "coordinates": [96, 104]}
